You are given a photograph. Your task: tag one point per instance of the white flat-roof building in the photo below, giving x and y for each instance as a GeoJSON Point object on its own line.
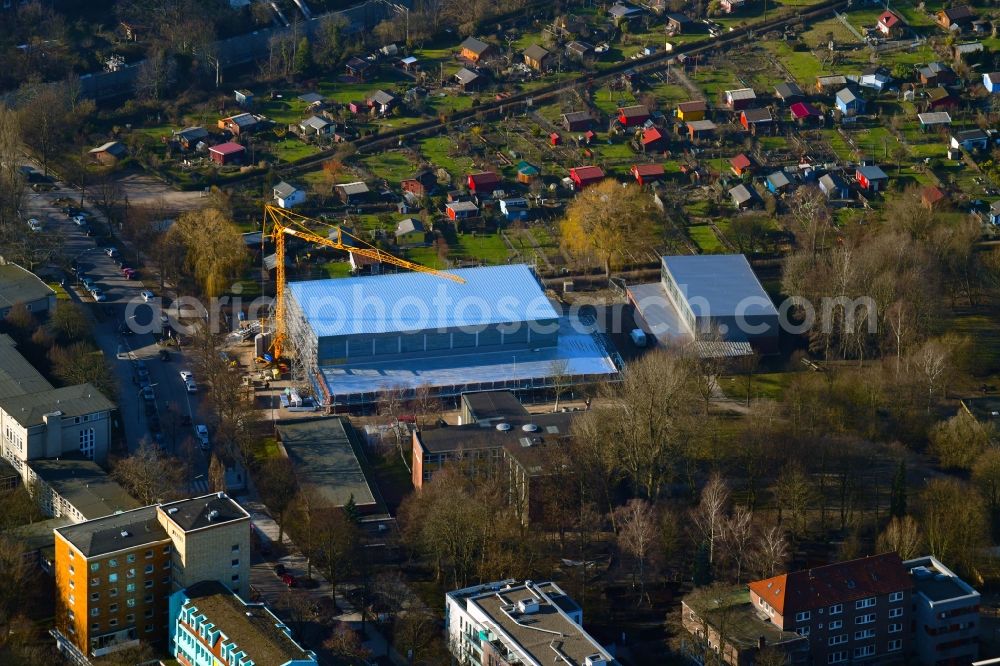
{"type": "Point", "coordinates": [945, 614]}
{"type": "Point", "coordinates": [519, 623]}
{"type": "Point", "coordinates": [714, 300]}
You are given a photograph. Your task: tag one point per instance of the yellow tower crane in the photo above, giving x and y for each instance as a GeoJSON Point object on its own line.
{"type": "Point", "coordinates": [279, 223]}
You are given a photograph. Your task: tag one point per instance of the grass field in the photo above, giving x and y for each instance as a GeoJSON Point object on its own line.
{"type": "Point", "coordinates": [983, 331]}
{"type": "Point", "coordinates": [704, 237]}
{"type": "Point", "coordinates": [393, 165]}
{"type": "Point", "coordinates": [439, 150]}
{"type": "Point", "coordinates": [769, 385]}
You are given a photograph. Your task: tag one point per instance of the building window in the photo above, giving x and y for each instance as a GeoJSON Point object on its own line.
{"type": "Point", "coordinates": [130, 603]}
{"type": "Point", "coordinates": [72, 585]}
{"type": "Point", "coordinates": [148, 613]}
{"type": "Point", "coordinates": [148, 584]}
{"type": "Point", "coordinates": [864, 651]}
{"type": "Point", "coordinates": [95, 596]}
{"type": "Point", "coordinates": [166, 565]}
{"type": "Point", "coordinates": [836, 608]}
{"type": "Point", "coordinates": [839, 639]}
{"type": "Point", "coordinates": [113, 562]}
{"type": "Point", "coordinates": [130, 587]}
{"type": "Point", "coordinates": [113, 608]}
{"type": "Point", "coordinates": [149, 628]}
{"type": "Point", "coordinates": [895, 644]}
{"type": "Point", "coordinates": [94, 582]}
{"type": "Point", "coordinates": [236, 563]}
{"type": "Point", "coordinates": [836, 624]}
{"type": "Point", "coordinates": [130, 573]}
{"type": "Point", "coordinates": [236, 579]}
{"type": "Point", "coordinates": [72, 555]}
{"type": "Point", "coordinates": [95, 626]}
{"type": "Point", "coordinates": [94, 566]}
{"type": "Point", "coordinates": [864, 603]}
{"type": "Point", "coordinates": [113, 592]}
{"type": "Point", "coordinates": [895, 612]}
{"type": "Point", "coordinates": [113, 622]}
{"type": "Point", "coordinates": [895, 628]}
{"type": "Point", "coordinates": [71, 570]}
{"type": "Point", "coordinates": [130, 618]}
{"type": "Point", "coordinates": [837, 657]}
{"type": "Point", "coordinates": [802, 616]}
{"type": "Point", "coordinates": [87, 440]}
{"type": "Point", "coordinates": [149, 568]}
{"type": "Point", "coordinates": [864, 634]}
{"type": "Point", "coordinates": [166, 549]}
{"type": "Point", "coordinates": [802, 631]}
{"type": "Point", "coordinates": [895, 596]}
{"type": "Point", "coordinates": [148, 599]}
{"type": "Point", "coordinates": [236, 548]}
{"type": "Point", "coordinates": [130, 557]}
{"type": "Point", "coordinates": [72, 615]}
{"type": "Point", "coordinates": [864, 619]}
{"type": "Point", "coordinates": [95, 611]}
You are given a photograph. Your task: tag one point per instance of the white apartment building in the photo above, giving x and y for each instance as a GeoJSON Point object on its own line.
{"type": "Point", "coordinates": [527, 624]}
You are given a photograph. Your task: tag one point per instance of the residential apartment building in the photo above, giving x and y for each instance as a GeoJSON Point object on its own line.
{"type": "Point", "coordinates": [851, 611]}
{"type": "Point", "coordinates": [946, 622]}
{"type": "Point", "coordinates": [40, 421]}
{"type": "Point", "coordinates": [76, 489]}
{"type": "Point", "coordinates": [210, 625]}
{"type": "Point", "coordinates": [507, 623]}
{"type": "Point", "coordinates": [114, 574]}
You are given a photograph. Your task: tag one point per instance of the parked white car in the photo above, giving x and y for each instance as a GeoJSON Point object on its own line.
{"type": "Point", "coordinates": [147, 295]}
{"type": "Point", "coordinates": [187, 376]}
{"type": "Point", "coordinates": [34, 225]}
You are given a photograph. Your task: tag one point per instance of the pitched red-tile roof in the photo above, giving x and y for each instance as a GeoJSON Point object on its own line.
{"type": "Point", "coordinates": [227, 148]}
{"type": "Point", "coordinates": [647, 170]}
{"type": "Point", "coordinates": [651, 135]}
{"type": "Point", "coordinates": [587, 172]}
{"type": "Point", "coordinates": [888, 19]}
{"type": "Point", "coordinates": [483, 179]}
{"type": "Point", "coordinates": [838, 583]}
{"type": "Point", "coordinates": [803, 110]}
{"type": "Point", "coordinates": [740, 162]}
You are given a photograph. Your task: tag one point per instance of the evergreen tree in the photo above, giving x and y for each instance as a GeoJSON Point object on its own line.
{"type": "Point", "coordinates": [897, 501]}
{"type": "Point", "coordinates": [303, 62]}
{"type": "Point", "coordinates": [702, 566]}
{"type": "Point", "coordinates": [351, 510]}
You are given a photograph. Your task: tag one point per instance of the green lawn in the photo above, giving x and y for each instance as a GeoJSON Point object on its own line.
{"type": "Point", "coordinates": [770, 385]}
{"type": "Point", "coordinates": [704, 237]}
{"type": "Point", "coordinates": [983, 332]}
{"type": "Point", "coordinates": [803, 65]}
{"type": "Point", "coordinates": [441, 151]}
{"type": "Point", "coordinates": [485, 248]}
{"type": "Point", "coordinates": [291, 149]}
{"type": "Point", "coordinates": [337, 269]}
{"type": "Point", "coordinates": [393, 165]}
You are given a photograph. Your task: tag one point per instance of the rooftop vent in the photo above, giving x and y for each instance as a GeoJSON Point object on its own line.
{"type": "Point", "coordinates": [172, 510]}
{"type": "Point", "coordinates": [594, 660]}
{"type": "Point", "coordinates": [528, 606]}
{"type": "Point", "coordinates": [503, 427]}
{"type": "Point", "coordinates": [529, 427]}
{"type": "Point", "coordinates": [125, 533]}
{"type": "Point", "coordinates": [212, 515]}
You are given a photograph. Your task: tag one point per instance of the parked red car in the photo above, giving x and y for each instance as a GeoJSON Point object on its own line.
{"type": "Point", "coordinates": [288, 579]}
{"type": "Point", "coordinates": [128, 273]}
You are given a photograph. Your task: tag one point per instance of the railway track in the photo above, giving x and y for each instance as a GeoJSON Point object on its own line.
{"type": "Point", "coordinates": [642, 65]}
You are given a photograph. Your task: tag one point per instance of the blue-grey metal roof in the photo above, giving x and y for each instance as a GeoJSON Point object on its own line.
{"type": "Point", "coordinates": [719, 285]}
{"type": "Point", "coordinates": [421, 301]}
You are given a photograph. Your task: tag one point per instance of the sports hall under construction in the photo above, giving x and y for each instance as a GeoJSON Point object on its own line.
{"type": "Point", "coordinates": [490, 328]}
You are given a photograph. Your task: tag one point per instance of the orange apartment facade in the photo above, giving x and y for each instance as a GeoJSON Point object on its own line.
{"type": "Point", "coordinates": [114, 575]}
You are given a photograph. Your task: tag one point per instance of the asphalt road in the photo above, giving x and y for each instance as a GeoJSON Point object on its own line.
{"type": "Point", "coordinates": [173, 406]}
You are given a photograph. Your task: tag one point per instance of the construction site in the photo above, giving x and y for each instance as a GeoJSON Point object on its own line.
{"type": "Point", "coordinates": [350, 340]}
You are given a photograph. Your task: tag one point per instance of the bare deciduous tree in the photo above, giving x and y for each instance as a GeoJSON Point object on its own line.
{"type": "Point", "coordinates": [710, 516]}
{"type": "Point", "coordinates": [151, 476]}
{"type": "Point", "coordinates": [901, 535]}
{"type": "Point", "coordinates": [637, 537]}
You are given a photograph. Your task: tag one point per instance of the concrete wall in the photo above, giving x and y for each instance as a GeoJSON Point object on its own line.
{"type": "Point", "coordinates": [61, 436]}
